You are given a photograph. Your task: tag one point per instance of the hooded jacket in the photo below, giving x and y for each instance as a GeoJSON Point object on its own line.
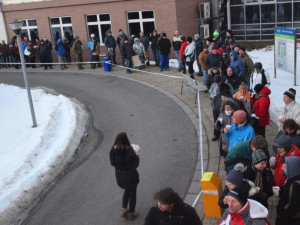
{"type": "Point", "coordinates": [289, 206]}
{"type": "Point", "coordinates": [248, 64]}
{"type": "Point", "coordinates": [182, 214]}
{"type": "Point", "coordinates": [239, 134]}
{"type": "Point", "coordinates": [237, 64]}
{"type": "Point", "coordinates": [61, 50]}
{"type": "Point", "coordinates": [139, 49]}
{"type": "Point", "coordinates": [190, 52]}
{"type": "Point", "coordinates": [253, 213]}
{"type": "Point", "coordinates": [279, 178]}
{"type": "Point", "coordinates": [261, 107]}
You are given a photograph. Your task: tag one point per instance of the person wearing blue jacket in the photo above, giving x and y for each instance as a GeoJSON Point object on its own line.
{"type": "Point", "coordinates": [60, 52]}
{"type": "Point", "coordinates": [240, 130]}
{"type": "Point", "coordinates": [236, 64]}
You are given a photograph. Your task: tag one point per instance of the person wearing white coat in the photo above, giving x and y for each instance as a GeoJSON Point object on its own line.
{"type": "Point", "coordinates": [190, 55]}
{"type": "Point", "coordinates": [291, 109]}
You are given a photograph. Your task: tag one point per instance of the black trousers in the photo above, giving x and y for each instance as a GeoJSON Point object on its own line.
{"type": "Point", "coordinates": [129, 196]}
{"type": "Point", "coordinates": [260, 130]}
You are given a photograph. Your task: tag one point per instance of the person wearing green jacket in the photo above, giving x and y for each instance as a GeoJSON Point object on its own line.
{"type": "Point", "coordinates": [78, 51]}
{"type": "Point", "coordinates": [242, 152]}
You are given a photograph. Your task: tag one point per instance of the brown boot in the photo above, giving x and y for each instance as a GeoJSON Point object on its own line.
{"type": "Point", "coordinates": [132, 215]}
{"type": "Point", "coordinates": [124, 212]}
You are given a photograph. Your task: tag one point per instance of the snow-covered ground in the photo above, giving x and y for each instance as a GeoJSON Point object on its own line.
{"type": "Point", "coordinates": [28, 154]}
{"type": "Point", "coordinates": [281, 83]}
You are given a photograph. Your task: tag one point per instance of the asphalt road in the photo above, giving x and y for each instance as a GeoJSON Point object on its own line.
{"type": "Point", "coordinates": [88, 193]}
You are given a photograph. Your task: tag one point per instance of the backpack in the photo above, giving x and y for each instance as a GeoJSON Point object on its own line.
{"type": "Point", "coordinates": [264, 80]}
{"type": "Point", "coordinates": [56, 46]}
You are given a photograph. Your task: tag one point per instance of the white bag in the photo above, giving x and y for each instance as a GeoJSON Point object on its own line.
{"type": "Point", "coordinates": [26, 52]}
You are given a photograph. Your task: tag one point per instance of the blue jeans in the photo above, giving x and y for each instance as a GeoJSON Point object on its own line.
{"type": "Point", "coordinates": [127, 63]}
{"type": "Point", "coordinates": [164, 62]}
{"type": "Point", "coordinates": [155, 53]}
{"type": "Point", "coordinates": [177, 57]}
{"type": "Point", "coordinates": [204, 79]}
{"type": "Point", "coordinates": [199, 66]}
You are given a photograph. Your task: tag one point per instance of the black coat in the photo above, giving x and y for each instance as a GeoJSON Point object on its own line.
{"type": "Point", "coordinates": [110, 42]}
{"type": "Point", "coordinates": [164, 46]}
{"type": "Point", "coordinates": [126, 50]}
{"type": "Point", "coordinates": [43, 49]}
{"type": "Point", "coordinates": [213, 60]}
{"type": "Point", "coordinates": [154, 40]}
{"type": "Point", "coordinates": [182, 214]}
{"type": "Point", "coordinates": [198, 47]}
{"type": "Point", "coordinates": [234, 81]}
{"type": "Point", "coordinates": [285, 216]}
{"type": "Point", "coordinates": [125, 162]}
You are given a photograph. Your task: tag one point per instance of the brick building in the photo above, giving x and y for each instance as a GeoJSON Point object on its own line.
{"type": "Point", "coordinates": [54, 18]}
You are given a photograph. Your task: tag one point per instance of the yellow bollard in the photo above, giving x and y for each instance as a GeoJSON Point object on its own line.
{"type": "Point", "coordinates": [211, 190]}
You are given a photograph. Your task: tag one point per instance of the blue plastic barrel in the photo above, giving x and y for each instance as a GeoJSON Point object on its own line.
{"type": "Point", "coordinates": [106, 64]}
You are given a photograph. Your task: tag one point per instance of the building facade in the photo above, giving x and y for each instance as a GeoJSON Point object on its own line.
{"type": "Point", "coordinates": [56, 18]}
{"type": "Point", "coordinates": [256, 19]}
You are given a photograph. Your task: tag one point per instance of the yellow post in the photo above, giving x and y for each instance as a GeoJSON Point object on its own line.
{"type": "Point", "coordinates": [211, 190]}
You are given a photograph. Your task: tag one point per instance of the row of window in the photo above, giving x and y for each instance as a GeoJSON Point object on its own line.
{"type": "Point", "coordinates": [98, 24]}
{"type": "Point", "coordinates": [283, 12]}
{"type": "Point", "coordinates": [249, 2]}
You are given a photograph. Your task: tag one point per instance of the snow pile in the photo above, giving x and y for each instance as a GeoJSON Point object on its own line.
{"type": "Point", "coordinates": [32, 157]}
{"type": "Point", "coordinates": [281, 83]}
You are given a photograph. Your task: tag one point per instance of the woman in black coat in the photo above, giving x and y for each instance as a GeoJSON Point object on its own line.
{"type": "Point", "coordinates": [126, 160]}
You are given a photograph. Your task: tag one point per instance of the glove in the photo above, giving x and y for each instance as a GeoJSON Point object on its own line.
{"type": "Point", "coordinates": [272, 161]}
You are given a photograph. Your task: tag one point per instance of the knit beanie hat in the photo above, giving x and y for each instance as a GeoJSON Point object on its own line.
{"type": "Point", "coordinates": [291, 93]}
{"type": "Point", "coordinates": [240, 116]}
{"type": "Point", "coordinates": [216, 33]}
{"type": "Point", "coordinates": [283, 141]}
{"type": "Point", "coordinates": [258, 88]}
{"type": "Point", "coordinates": [182, 38]}
{"type": "Point", "coordinates": [240, 193]}
{"type": "Point", "coordinates": [214, 47]}
{"type": "Point", "coordinates": [259, 142]}
{"type": "Point", "coordinates": [196, 35]}
{"type": "Point", "coordinates": [217, 78]}
{"type": "Point", "coordinates": [258, 156]}
{"type": "Point", "coordinates": [235, 177]}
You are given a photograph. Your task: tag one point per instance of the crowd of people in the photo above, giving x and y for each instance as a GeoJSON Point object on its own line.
{"type": "Point", "coordinates": [239, 94]}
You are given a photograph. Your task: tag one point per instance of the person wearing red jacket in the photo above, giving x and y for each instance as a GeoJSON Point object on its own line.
{"type": "Point", "coordinates": [285, 148]}
{"type": "Point", "coordinates": [261, 104]}
{"type": "Point", "coordinates": [183, 46]}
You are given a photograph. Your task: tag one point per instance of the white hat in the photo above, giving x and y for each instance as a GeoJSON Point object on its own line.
{"type": "Point", "coordinates": [92, 35]}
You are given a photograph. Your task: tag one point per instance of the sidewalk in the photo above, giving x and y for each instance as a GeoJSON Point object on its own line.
{"type": "Point", "coordinates": [171, 87]}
